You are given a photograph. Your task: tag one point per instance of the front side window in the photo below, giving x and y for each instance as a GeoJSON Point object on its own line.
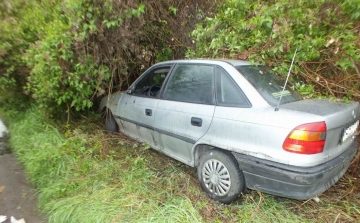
{"type": "Point", "coordinates": [191, 83]}
{"type": "Point", "coordinates": [152, 82]}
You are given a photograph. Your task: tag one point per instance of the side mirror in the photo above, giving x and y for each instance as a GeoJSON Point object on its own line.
{"type": "Point", "coordinates": [130, 90]}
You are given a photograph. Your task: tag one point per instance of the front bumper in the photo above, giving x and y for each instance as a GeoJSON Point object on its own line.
{"type": "Point", "coordinates": [295, 182]}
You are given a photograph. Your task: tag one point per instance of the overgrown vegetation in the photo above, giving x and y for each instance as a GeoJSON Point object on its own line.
{"type": "Point", "coordinates": [326, 34]}
{"type": "Point", "coordinates": [67, 54]}
{"type": "Point", "coordinates": [81, 179]}
{"type": "Point", "coordinates": [85, 175]}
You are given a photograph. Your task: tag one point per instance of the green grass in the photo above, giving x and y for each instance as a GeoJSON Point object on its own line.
{"type": "Point", "coordinates": [85, 175]}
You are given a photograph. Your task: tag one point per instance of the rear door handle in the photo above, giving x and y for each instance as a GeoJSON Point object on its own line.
{"type": "Point", "coordinates": [148, 112]}
{"type": "Point", "coordinates": [196, 121]}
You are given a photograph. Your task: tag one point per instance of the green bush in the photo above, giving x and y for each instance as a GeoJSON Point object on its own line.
{"type": "Point", "coordinates": [12, 42]}
{"type": "Point", "coordinates": [67, 54]}
{"type": "Point", "coordinates": [72, 52]}
{"type": "Point", "coordinates": [324, 32]}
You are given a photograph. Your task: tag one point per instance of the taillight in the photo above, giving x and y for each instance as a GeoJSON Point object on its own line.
{"type": "Point", "coordinates": [306, 139]}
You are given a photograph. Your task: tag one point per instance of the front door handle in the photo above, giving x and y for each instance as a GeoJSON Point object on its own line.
{"type": "Point", "coordinates": [196, 121]}
{"type": "Point", "coordinates": [148, 112]}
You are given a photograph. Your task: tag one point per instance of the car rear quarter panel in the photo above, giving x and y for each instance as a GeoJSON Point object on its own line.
{"type": "Point", "coordinates": [259, 132]}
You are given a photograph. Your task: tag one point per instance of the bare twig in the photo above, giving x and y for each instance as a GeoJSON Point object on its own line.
{"type": "Point", "coordinates": [356, 68]}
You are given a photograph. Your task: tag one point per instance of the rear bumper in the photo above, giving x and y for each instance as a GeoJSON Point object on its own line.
{"type": "Point", "coordinates": [291, 181]}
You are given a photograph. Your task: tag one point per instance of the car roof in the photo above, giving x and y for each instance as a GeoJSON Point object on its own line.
{"type": "Point", "coordinates": [236, 62]}
{"type": "Point", "coordinates": [212, 61]}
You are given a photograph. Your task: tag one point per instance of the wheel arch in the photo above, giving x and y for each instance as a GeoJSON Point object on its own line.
{"type": "Point", "coordinates": [110, 101]}
{"type": "Point", "coordinates": [201, 149]}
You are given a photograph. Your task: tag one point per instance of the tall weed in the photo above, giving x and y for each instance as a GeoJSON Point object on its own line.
{"type": "Point", "coordinates": [78, 182]}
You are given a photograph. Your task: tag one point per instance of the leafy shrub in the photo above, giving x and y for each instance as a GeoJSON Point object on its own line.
{"type": "Point", "coordinates": [73, 52]}
{"type": "Point", "coordinates": [11, 43]}
{"type": "Point", "coordinates": [324, 32]}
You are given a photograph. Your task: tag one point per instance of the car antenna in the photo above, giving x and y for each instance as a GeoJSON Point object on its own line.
{"type": "Point", "coordinates": [287, 78]}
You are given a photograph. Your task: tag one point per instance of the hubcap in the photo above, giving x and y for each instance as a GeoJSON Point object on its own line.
{"type": "Point", "coordinates": [216, 177]}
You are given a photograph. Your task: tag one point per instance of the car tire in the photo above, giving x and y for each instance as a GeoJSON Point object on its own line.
{"type": "Point", "coordinates": [220, 176]}
{"type": "Point", "coordinates": [110, 123]}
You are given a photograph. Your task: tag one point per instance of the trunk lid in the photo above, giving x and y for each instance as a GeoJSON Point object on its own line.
{"type": "Point", "coordinates": [335, 113]}
{"type": "Point", "coordinates": [340, 119]}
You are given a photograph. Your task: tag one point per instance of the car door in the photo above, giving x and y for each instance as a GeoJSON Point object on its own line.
{"type": "Point", "coordinates": [138, 105]}
{"type": "Point", "coordinates": [234, 123]}
{"type": "Point", "coordinates": [185, 112]}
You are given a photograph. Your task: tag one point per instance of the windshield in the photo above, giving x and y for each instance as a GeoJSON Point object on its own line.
{"type": "Point", "coordinates": [268, 84]}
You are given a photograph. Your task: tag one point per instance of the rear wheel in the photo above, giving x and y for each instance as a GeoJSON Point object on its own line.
{"type": "Point", "coordinates": [220, 176]}
{"type": "Point", "coordinates": [110, 123]}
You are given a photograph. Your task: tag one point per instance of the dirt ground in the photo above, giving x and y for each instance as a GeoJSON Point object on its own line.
{"type": "Point", "coordinates": [17, 197]}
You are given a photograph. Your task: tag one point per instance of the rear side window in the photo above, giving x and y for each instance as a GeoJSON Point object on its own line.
{"type": "Point", "coordinates": [227, 92]}
{"type": "Point", "coordinates": [191, 83]}
{"type": "Point", "coordinates": [268, 84]}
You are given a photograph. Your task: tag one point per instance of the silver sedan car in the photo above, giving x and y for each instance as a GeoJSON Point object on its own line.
{"type": "Point", "coordinates": [225, 117]}
{"type": "Point", "coordinates": [4, 136]}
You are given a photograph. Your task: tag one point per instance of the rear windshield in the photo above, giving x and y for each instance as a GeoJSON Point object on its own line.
{"type": "Point", "coordinates": [268, 84]}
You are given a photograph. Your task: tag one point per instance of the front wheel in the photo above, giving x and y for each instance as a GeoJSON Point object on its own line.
{"type": "Point", "coordinates": [220, 176]}
{"type": "Point", "coordinates": [110, 123]}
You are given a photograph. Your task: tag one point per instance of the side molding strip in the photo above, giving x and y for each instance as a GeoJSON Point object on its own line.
{"type": "Point", "coordinates": [183, 138]}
